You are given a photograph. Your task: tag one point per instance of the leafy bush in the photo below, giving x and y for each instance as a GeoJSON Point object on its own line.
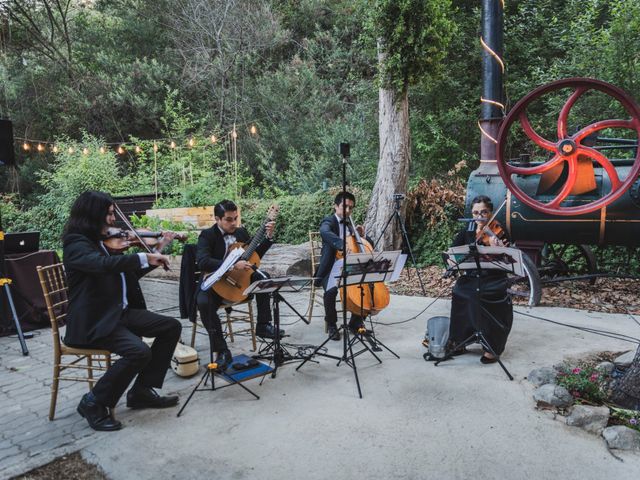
{"type": "Point", "coordinates": [157, 225]}
{"type": "Point", "coordinates": [298, 214]}
{"type": "Point", "coordinates": [72, 173]}
{"type": "Point", "coordinates": [586, 384]}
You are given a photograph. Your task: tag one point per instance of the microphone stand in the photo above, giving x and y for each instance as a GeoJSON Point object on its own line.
{"type": "Point", "coordinates": [6, 282]}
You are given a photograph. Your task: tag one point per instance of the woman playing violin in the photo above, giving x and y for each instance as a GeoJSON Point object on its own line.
{"type": "Point", "coordinates": [107, 311]}
{"type": "Point", "coordinates": [495, 315]}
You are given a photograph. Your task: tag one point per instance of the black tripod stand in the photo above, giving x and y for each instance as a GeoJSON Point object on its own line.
{"type": "Point", "coordinates": [210, 373]}
{"type": "Point", "coordinates": [347, 346]}
{"type": "Point", "coordinates": [5, 283]}
{"type": "Point", "coordinates": [477, 285]}
{"type": "Point", "coordinates": [406, 244]}
{"type": "Point", "coordinates": [276, 351]}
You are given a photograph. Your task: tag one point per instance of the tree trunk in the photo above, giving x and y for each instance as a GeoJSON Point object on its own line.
{"type": "Point", "coordinates": [626, 391]}
{"type": "Point", "coordinates": [393, 167]}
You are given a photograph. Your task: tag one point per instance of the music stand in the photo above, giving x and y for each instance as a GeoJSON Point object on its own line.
{"type": "Point", "coordinates": [275, 351]}
{"type": "Point", "coordinates": [476, 259]}
{"type": "Point", "coordinates": [359, 269]}
{"type": "Point", "coordinates": [376, 267]}
{"type": "Point", "coordinates": [211, 370]}
{"type": "Point", "coordinates": [5, 283]}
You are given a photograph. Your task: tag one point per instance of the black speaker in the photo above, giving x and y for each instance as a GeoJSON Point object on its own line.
{"type": "Point", "coordinates": [7, 153]}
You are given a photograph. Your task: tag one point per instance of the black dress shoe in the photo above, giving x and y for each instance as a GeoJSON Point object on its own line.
{"type": "Point", "coordinates": [98, 416]}
{"type": "Point", "coordinates": [266, 330]}
{"type": "Point", "coordinates": [224, 359]}
{"type": "Point", "coordinates": [355, 328]}
{"type": "Point", "coordinates": [333, 333]}
{"type": "Point", "coordinates": [488, 360]}
{"type": "Point", "coordinates": [146, 397]}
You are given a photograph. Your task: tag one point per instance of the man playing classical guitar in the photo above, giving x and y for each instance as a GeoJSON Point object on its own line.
{"type": "Point", "coordinates": [212, 247]}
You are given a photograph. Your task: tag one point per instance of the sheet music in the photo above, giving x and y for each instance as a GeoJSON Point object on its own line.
{"type": "Point", "coordinates": [399, 266]}
{"type": "Point", "coordinates": [285, 284]}
{"type": "Point", "coordinates": [231, 259]}
{"type": "Point", "coordinates": [507, 259]}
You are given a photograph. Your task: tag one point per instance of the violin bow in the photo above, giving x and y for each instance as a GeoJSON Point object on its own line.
{"type": "Point", "coordinates": [128, 224]}
{"type": "Point", "coordinates": [495, 214]}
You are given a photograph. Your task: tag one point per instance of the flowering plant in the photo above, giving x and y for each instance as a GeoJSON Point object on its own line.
{"type": "Point", "coordinates": [587, 385]}
{"type": "Point", "coordinates": [628, 418]}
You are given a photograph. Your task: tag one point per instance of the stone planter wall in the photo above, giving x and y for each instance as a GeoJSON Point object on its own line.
{"type": "Point", "coordinates": [199, 217]}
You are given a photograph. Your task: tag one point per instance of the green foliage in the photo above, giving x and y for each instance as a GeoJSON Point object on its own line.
{"type": "Point", "coordinates": [428, 242]}
{"type": "Point", "coordinates": [628, 418]}
{"type": "Point", "coordinates": [413, 36]}
{"type": "Point", "coordinates": [9, 213]}
{"type": "Point", "coordinates": [586, 384]}
{"type": "Point", "coordinates": [72, 173]}
{"type": "Point", "coordinates": [158, 225]}
{"type": "Point", "coordinates": [297, 214]}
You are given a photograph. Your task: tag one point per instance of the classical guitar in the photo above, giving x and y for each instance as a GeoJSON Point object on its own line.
{"type": "Point", "coordinates": [233, 283]}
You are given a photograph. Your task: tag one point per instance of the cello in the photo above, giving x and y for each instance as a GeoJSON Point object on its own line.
{"type": "Point", "coordinates": [363, 299]}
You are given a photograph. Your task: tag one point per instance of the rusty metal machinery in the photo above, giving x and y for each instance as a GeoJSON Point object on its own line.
{"type": "Point", "coordinates": [566, 189]}
{"type": "Point", "coordinates": [555, 167]}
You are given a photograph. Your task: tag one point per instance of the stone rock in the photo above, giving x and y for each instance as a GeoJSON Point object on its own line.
{"type": "Point", "coordinates": [542, 376]}
{"type": "Point", "coordinates": [605, 367]}
{"type": "Point", "coordinates": [286, 260]}
{"type": "Point", "coordinates": [625, 359]}
{"type": "Point", "coordinates": [622, 438]}
{"type": "Point", "coordinates": [551, 395]}
{"type": "Point", "coordinates": [591, 419]}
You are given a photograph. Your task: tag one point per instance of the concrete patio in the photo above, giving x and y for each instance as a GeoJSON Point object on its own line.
{"type": "Point", "coordinates": [460, 420]}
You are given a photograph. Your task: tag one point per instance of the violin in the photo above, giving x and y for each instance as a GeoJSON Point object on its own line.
{"type": "Point", "coordinates": [118, 240]}
{"type": "Point", "coordinates": [363, 299]}
{"type": "Point", "coordinates": [491, 230]}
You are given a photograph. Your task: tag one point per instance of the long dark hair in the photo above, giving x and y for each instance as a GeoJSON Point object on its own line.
{"type": "Point", "coordinates": [88, 214]}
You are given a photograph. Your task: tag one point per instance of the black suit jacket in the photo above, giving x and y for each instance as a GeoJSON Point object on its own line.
{"type": "Point", "coordinates": [95, 289]}
{"type": "Point", "coordinates": [331, 244]}
{"type": "Point", "coordinates": [211, 248]}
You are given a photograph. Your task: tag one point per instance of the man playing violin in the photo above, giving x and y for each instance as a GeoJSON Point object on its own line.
{"type": "Point", "coordinates": [496, 310]}
{"type": "Point", "coordinates": [107, 311]}
{"type": "Point", "coordinates": [332, 242]}
{"type": "Point", "coordinates": [212, 247]}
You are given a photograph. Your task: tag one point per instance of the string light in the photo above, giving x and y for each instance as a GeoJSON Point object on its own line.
{"type": "Point", "coordinates": [30, 145]}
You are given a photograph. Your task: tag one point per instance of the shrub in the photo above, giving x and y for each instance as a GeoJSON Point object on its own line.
{"type": "Point", "coordinates": [586, 384]}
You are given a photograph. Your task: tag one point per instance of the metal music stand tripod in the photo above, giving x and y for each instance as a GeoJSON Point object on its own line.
{"type": "Point", "coordinates": [359, 269]}
{"type": "Point", "coordinates": [376, 267]}
{"type": "Point", "coordinates": [478, 259]}
{"type": "Point", "coordinates": [275, 351]}
{"type": "Point", "coordinates": [5, 283]}
{"type": "Point", "coordinates": [406, 244]}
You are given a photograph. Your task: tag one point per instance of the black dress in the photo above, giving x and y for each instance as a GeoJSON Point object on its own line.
{"type": "Point", "coordinates": [493, 316]}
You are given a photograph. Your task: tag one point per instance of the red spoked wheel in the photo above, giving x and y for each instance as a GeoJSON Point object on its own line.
{"type": "Point", "coordinates": [568, 148]}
